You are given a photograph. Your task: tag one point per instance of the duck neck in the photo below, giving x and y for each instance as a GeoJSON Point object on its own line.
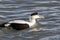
{"type": "Point", "coordinates": [32, 21]}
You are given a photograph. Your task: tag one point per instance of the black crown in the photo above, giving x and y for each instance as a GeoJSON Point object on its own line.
{"type": "Point", "coordinates": [34, 13]}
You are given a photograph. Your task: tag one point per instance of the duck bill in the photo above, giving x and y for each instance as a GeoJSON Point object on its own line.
{"type": "Point", "coordinates": [42, 16]}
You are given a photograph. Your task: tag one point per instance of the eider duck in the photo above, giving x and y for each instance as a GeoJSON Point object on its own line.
{"type": "Point", "coordinates": [21, 24]}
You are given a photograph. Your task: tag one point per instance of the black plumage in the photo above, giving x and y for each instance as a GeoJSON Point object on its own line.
{"type": "Point", "coordinates": [16, 26]}
{"type": "Point", "coordinates": [19, 26]}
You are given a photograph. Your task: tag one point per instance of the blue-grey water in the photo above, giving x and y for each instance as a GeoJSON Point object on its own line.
{"type": "Point", "coordinates": [21, 9]}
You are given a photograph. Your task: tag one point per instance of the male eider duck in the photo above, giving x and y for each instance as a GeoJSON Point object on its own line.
{"type": "Point", "coordinates": [21, 24]}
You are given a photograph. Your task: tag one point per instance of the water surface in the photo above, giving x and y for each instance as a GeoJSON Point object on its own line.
{"type": "Point", "coordinates": [21, 9]}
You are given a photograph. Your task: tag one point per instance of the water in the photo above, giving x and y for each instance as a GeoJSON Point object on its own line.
{"type": "Point", "coordinates": [21, 9]}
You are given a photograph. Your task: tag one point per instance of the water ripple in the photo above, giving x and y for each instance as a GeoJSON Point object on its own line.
{"type": "Point", "coordinates": [21, 9]}
{"type": "Point", "coordinates": [56, 37]}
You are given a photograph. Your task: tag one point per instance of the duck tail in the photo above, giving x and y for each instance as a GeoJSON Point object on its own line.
{"type": "Point", "coordinates": [2, 25]}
